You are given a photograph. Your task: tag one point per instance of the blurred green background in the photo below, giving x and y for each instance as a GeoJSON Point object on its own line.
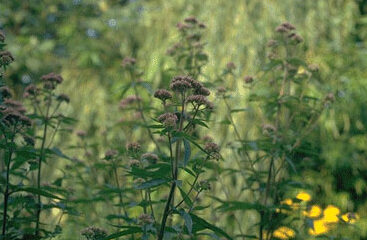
{"type": "Point", "coordinates": [86, 40]}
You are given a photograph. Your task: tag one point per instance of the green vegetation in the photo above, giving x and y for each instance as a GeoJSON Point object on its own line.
{"type": "Point", "coordinates": [183, 119]}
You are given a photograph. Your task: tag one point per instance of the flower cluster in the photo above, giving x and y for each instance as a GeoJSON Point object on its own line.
{"type": "Point", "coordinates": [13, 114]}
{"type": "Point", "coordinates": [169, 120]}
{"type": "Point", "coordinates": [150, 157]}
{"type": "Point", "coordinates": [200, 100]}
{"type": "Point", "coordinates": [93, 233]}
{"type": "Point", "coordinates": [287, 30]}
{"type": "Point", "coordinates": [323, 220]}
{"type": "Point", "coordinates": [133, 147]}
{"type": "Point", "coordinates": [129, 100]}
{"type": "Point", "coordinates": [6, 58]}
{"type": "Point", "coordinates": [163, 95]}
{"type": "Point", "coordinates": [51, 80]}
{"type": "Point", "coordinates": [109, 154]}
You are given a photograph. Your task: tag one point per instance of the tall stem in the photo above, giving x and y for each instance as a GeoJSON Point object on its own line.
{"type": "Point", "coordinates": [120, 194]}
{"type": "Point", "coordinates": [40, 159]}
{"type": "Point", "coordinates": [174, 173]}
{"type": "Point", "coordinates": [6, 193]}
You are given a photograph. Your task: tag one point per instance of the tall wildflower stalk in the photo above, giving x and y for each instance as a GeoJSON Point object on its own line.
{"type": "Point", "coordinates": [47, 104]}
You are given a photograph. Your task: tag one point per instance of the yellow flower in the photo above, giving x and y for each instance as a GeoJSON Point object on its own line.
{"type": "Point", "coordinates": [303, 196]}
{"type": "Point", "coordinates": [287, 201]}
{"type": "Point", "coordinates": [331, 214]}
{"type": "Point", "coordinates": [284, 233]}
{"type": "Point", "coordinates": [350, 217]}
{"type": "Point", "coordinates": [313, 212]}
{"type": "Point", "coordinates": [319, 227]}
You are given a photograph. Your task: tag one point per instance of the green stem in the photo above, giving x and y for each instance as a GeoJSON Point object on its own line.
{"type": "Point", "coordinates": [6, 193]}
{"type": "Point", "coordinates": [40, 159]}
{"type": "Point", "coordinates": [174, 176]}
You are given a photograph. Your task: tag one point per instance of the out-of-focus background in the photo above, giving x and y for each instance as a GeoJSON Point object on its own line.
{"type": "Point", "coordinates": [86, 40]}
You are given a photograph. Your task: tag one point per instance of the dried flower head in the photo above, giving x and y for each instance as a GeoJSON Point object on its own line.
{"type": "Point", "coordinates": [128, 62]}
{"type": "Point", "coordinates": [109, 154]}
{"type": "Point", "coordinates": [162, 94]}
{"type": "Point", "coordinates": [94, 233]}
{"type": "Point", "coordinates": [52, 77]}
{"type": "Point", "coordinates": [11, 116]}
{"type": "Point", "coordinates": [248, 79]}
{"type": "Point", "coordinates": [6, 58]}
{"type": "Point", "coordinates": [202, 91]}
{"type": "Point", "coordinates": [295, 38]}
{"type": "Point", "coordinates": [150, 157]}
{"type": "Point", "coordinates": [63, 98]}
{"type": "Point", "coordinates": [51, 80]}
{"type": "Point", "coordinates": [202, 25]}
{"type": "Point", "coordinates": [145, 219]}
{"type": "Point", "coordinates": [180, 86]}
{"type": "Point", "coordinates": [30, 90]}
{"type": "Point", "coordinates": [191, 20]}
{"type": "Point", "coordinates": [211, 147]}
{"type": "Point", "coordinates": [288, 26]}
{"type": "Point", "coordinates": [169, 120]}
{"type": "Point", "coordinates": [281, 29]}
{"type": "Point", "coordinates": [14, 105]}
{"type": "Point", "coordinates": [231, 66]}
{"type": "Point", "coordinates": [221, 90]}
{"type": "Point", "coordinates": [129, 100]}
{"type": "Point", "coordinates": [268, 128]}
{"type": "Point", "coordinates": [5, 92]}
{"type": "Point", "coordinates": [134, 163]}
{"type": "Point", "coordinates": [199, 100]}
{"type": "Point", "coordinates": [81, 133]}
{"type": "Point", "coordinates": [133, 147]}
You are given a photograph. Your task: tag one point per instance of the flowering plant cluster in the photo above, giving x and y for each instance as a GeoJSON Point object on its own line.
{"type": "Point", "coordinates": [157, 178]}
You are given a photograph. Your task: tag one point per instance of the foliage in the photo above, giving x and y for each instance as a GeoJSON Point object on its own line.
{"type": "Point", "coordinates": [287, 113]}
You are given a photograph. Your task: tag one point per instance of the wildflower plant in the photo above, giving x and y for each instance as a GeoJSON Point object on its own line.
{"type": "Point", "coordinates": [173, 178]}
{"type": "Point", "coordinates": [290, 103]}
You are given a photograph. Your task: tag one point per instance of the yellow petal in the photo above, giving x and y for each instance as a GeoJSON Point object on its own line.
{"type": "Point", "coordinates": [331, 214]}
{"type": "Point", "coordinates": [319, 227]}
{"type": "Point", "coordinates": [303, 196]}
{"type": "Point", "coordinates": [284, 233]}
{"type": "Point", "coordinates": [313, 212]}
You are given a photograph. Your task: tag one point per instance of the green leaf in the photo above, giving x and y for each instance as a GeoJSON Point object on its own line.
{"type": "Point", "coordinates": [131, 230]}
{"type": "Point", "coordinates": [187, 152]}
{"type": "Point", "coordinates": [188, 220]}
{"type": "Point", "coordinates": [58, 152]}
{"type": "Point", "coordinates": [38, 192]}
{"type": "Point", "coordinates": [152, 183]}
{"type": "Point", "coordinates": [201, 224]}
{"type": "Point", "coordinates": [185, 197]}
{"type": "Point", "coordinates": [239, 110]}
